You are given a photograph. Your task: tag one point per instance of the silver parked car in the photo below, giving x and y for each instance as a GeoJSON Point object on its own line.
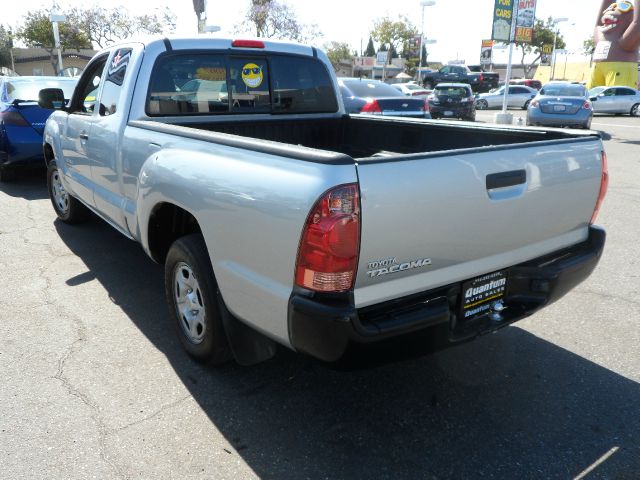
{"type": "Point", "coordinates": [623, 100]}
{"type": "Point", "coordinates": [518, 96]}
{"type": "Point", "coordinates": [561, 104]}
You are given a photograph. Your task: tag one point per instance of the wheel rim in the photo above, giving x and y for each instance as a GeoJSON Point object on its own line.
{"type": "Point", "coordinates": [189, 303]}
{"type": "Point", "coordinates": [635, 110]}
{"type": "Point", "coordinates": [482, 104]}
{"type": "Point", "coordinates": [60, 195]}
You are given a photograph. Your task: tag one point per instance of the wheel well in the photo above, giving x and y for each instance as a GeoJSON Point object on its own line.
{"type": "Point", "coordinates": [48, 154]}
{"type": "Point", "coordinates": [167, 223]}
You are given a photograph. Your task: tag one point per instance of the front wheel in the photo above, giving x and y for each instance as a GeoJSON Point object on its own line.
{"type": "Point", "coordinates": [68, 209]}
{"type": "Point", "coordinates": [482, 104]}
{"type": "Point", "coordinates": [191, 292]}
{"type": "Point", "coordinates": [635, 110]}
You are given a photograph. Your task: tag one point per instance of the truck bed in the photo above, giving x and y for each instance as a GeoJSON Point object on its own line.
{"type": "Point", "coordinates": [362, 137]}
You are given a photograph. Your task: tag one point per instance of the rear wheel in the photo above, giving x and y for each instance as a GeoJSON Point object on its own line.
{"type": "Point", "coordinates": [68, 209]}
{"type": "Point", "coordinates": [635, 110]}
{"type": "Point", "coordinates": [191, 292]}
{"type": "Point", "coordinates": [482, 104]}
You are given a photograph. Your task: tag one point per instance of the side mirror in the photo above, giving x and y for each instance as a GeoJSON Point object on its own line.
{"type": "Point", "coordinates": [51, 98]}
{"type": "Point", "coordinates": [593, 99]}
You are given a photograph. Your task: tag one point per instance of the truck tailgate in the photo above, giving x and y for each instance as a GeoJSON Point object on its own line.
{"type": "Point", "coordinates": [430, 220]}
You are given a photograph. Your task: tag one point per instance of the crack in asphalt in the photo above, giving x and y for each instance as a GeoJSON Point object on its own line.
{"type": "Point", "coordinates": [161, 410]}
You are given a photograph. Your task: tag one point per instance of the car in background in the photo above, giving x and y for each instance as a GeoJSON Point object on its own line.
{"type": "Point", "coordinates": [561, 104]}
{"type": "Point", "coordinates": [22, 119]}
{"type": "Point", "coordinates": [618, 100]}
{"type": "Point", "coordinates": [452, 100]}
{"type": "Point", "coordinates": [412, 89]}
{"type": "Point", "coordinates": [373, 97]}
{"type": "Point", "coordinates": [518, 96]}
{"type": "Point", "coordinates": [527, 82]}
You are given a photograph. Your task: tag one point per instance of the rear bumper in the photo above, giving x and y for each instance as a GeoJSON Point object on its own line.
{"type": "Point", "coordinates": [20, 146]}
{"type": "Point", "coordinates": [463, 110]}
{"type": "Point", "coordinates": [537, 117]}
{"type": "Point", "coordinates": [326, 326]}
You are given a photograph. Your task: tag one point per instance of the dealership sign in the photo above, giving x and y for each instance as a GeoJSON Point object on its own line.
{"type": "Point", "coordinates": [525, 19]}
{"type": "Point", "coordinates": [486, 52]}
{"type": "Point", "coordinates": [502, 18]}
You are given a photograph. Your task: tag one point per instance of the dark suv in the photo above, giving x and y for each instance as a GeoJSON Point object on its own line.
{"type": "Point", "coordinates": [527, 82]}
{"type": "Point", "coordinates": [452, 100]}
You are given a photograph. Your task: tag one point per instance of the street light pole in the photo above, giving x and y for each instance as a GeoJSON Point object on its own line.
{"type": "Point", "coordinates": [56, 17]}
{"type": "Point", "coordinates": [555, 38]}
{"type": "Point", "coordinates": [423, 3]}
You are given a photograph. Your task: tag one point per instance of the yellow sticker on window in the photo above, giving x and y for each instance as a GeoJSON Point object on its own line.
{"type": "Point", "coordinates": [211, 73]}
{"type": "Point", "coordinates": [252, 75]}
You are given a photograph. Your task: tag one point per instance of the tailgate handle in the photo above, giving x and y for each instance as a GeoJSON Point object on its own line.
{"type": "Point", "coordinates": [506, 179]}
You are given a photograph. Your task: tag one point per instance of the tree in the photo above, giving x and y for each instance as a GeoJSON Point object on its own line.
{"type": "Point", "coordinates": [371, 50]}
{"type": "Point", "coordinates": [275, 19]}
{"type": "Point", "coordinates": [543, 34]}
{"type": "Point", "coordinates": [37, 31]}
{"type": "Point", "coordinates": [588, 46]}
{"type": "Point", "coordinates": [103, 26]}
{"type": "Point", "coordinates": [338, 51]}
{"type": "Point", "coordinates": [396, 34]}
{"type": "Point", "coordinates": [6, 43]}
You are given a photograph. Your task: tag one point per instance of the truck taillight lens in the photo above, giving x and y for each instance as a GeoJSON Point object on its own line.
{"type": "Point", "coordinates": [426, 105]}
{"type": "Point", "coordinates": [604, 185]}
{"type": "Point", "coordinates": [13, 118]}
{"type": "Point", "coordinates": [371, 106]}
{"type": "Point", "coordinates": [330, 242]}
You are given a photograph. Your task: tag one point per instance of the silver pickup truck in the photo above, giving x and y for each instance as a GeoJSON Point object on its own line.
{"type": "Point", "coordinates": [282, 220]}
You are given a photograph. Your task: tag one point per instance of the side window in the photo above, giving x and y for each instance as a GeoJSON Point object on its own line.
{"type": "Point", "coordinates": [444, 70]}
{"type": "Point", "coordinates": [301, 85]}
{"type": "Point", "coordinates": [609, 93]}
{"type": "Point", "coordinates": [116, 72]}
{"type": "Point", "coordinates": [84, 98]}
{"type": "Point", "coordinates": [188, 84]}
{"type": "Point", "coordinates": [624, 91]}
{"type": "Point", "coordinates": [249, 85]}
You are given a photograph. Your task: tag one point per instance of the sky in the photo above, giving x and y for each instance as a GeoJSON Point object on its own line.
{"type": "Point", "coordinates": [457, 26]}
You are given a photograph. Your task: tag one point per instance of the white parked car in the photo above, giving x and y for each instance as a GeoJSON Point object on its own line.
{"type": "Point", "coordinates": [411, 89]}
{"type": "Point", "coordinates": [623, 100]}
{"type": "Point", "coordinates": [519, 96]}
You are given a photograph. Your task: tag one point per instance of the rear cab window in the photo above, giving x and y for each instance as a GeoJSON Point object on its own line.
{"type": "Point", "coordinates": [197, 83]}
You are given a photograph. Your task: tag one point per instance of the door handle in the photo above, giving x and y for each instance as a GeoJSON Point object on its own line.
{"type": "Point", "coordinates": [84, 136]}
{"type": "Point", "coordinates": [506, 179]}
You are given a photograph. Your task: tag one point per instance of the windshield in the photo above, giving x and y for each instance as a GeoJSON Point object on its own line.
{"type": "Point", "coordinates": [564, 90]}
{"type": "Point", "coordinates": [411, 86]}
{"type": "Point", "coordinates": [28, 89]}
{"type": "Point", "coordinates": [596, 90]}
{"type": "Point", "coordinates": [369, 88]}
{"type": "Point", "coordinates": [453, 91]}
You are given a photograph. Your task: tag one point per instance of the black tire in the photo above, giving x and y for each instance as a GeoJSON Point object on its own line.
{"type": "Point", "coordinates": [635, 110]}
{"type": "Point", "coordinates": [202, 334]}
{"type": "Point", "coordinates": [526, 104]}
{"type": "Point", "coordinates": [482, 104]}
{"type": "Point", "coordinates": [69, 209]}
{"type": "Point", "coordinates": [7, 174]}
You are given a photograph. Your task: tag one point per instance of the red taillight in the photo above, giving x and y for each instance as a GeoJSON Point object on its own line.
{"type": "Point", "coordinates": [481, 77]}
{"type": "Point", "coordinates": [604, 185]}
{"type": "Point", "coordinates": [330, 242]}
{"type": "Point", "coordinates": [13, 118]}
{"type": "Point", "coordinates": [248, 43]}
{"type": "Point", "coordinates": [534, 103]}
{"type": "Point", "coordinates": [587, 106]}
{"type": "Point", "coordinates": [371, 106]}
{"type": "Point", "coordinates": [426, 105]}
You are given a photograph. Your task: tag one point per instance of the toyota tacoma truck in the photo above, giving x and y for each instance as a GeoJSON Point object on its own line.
{"type": "Point", "coordinates": [282, 220]}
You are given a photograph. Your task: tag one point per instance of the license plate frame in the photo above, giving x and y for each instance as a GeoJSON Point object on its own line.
{"type": "Point", "coordinates": [559, 108]}
{"type": "Point", "coordinates": [448, 113]}
{"type": "Point", "coordinates": [479, 293]}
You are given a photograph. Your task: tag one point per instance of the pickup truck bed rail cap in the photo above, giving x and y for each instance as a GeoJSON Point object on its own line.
{"type": "Point", "coordinates": [257, 145]}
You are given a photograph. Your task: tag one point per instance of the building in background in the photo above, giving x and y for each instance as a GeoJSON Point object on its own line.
{"type": "Point", "coordinates": [37, 61]}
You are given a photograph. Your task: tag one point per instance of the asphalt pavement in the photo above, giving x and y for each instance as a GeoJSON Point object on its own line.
{"type": "Point", "coordinates": [95, 384]}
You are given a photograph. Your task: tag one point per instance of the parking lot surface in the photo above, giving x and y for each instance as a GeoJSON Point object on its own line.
{"type": "Point", "coordinates": [95, 384]}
